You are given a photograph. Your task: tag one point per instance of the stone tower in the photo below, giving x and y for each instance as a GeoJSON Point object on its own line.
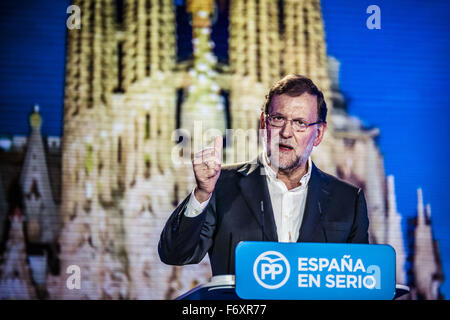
{"type": "Point", "coordinates": [394, 235]}
{"type": "Point", "coordinates": [427, 269]}
{"type": "Point", "coordinates": [43, 222]}
{"type": "Point", "coordinates": [120, 105]}
{"type": "Point", "coordinates": [89, 174]}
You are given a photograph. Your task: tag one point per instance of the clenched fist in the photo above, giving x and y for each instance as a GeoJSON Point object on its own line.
{"type": "Point", "coordinates": [207, 164]}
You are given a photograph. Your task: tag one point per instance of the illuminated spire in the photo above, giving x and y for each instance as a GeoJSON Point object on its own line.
{"type": "Point", "coordinates": [40, 209]}
{"type": "Point", "coordinates": [394, 235]}
{"type": "Point", "coordinates": [392, 203]}
{"type": "Point", "coordinates": [35, 118]}
{"type": "Point", "coordinates": [204, 104]}
{"type": "Point", "coordinates": [420, 209]}
{"type": "Point", "coordinates": [424, 251]}
{"type": "Point", "coordinates": [428, 212]}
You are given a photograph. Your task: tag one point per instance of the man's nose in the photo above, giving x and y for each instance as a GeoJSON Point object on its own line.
{"type": "Point", "coordinates": [287, 131]}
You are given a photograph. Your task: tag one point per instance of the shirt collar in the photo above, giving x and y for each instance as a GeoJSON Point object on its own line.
{"type": "Point", "coordinates": [273, 176]}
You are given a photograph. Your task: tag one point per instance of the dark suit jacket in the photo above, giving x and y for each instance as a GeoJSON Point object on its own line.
{"type": "Point", "coordinates": [335, 211]}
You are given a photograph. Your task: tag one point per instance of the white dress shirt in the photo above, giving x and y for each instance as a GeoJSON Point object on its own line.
{"type": "Point", "coordinates": [194, 207]}
{"type": "Point", "coordinates": [288, 205]}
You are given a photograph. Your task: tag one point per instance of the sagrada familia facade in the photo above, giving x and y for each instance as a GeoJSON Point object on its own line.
{"type": "Point", "coordinates": [131, 116]}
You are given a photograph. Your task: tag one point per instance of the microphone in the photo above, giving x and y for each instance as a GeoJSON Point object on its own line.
{"type": "Point", "coordinates": [262, 219]}
{"type": "Point", "coordinates": [230, 254]}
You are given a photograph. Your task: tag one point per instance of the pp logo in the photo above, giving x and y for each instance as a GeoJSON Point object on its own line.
{"type": "Point", "coordinates": [271, 270]}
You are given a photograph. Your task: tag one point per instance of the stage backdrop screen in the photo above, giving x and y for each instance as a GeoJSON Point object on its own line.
{"type": "Point", "coordinates": [102, 104]}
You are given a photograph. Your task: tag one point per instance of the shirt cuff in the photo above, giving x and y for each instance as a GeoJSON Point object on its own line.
{"type": "Point", "coordinates": [194, 208]}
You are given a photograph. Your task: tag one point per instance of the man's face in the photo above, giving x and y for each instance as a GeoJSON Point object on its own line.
{"type": "Point", "coordinates": [288, 149]}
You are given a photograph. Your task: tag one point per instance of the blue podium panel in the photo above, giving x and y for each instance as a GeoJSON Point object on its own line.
{"type": "Point", "coordinates": [314, 271]}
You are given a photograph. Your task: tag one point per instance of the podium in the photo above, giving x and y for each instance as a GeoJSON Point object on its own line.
{"type": "Point", "coordinates": [219, 288]}
{"type": "Point", "coordinates": [306, 271]}
{"type": "Point", "coordinates": [223, 288]}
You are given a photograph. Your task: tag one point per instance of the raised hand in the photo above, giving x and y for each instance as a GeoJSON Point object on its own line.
{"type": "Point", "coordinates": [207, 164]}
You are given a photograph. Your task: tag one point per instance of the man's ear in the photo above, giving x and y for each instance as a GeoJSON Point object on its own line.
{"type": "Point", "coordinates": [321, 128]}
{"type": "Point", "coordinates": [262, 122]}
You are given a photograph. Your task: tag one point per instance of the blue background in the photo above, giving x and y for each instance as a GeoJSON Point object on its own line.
{"type": "Point", "coordinates": [396, 79]}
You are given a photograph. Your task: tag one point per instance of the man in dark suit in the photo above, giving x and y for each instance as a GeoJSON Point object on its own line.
{"type": "Point", "coordinates": [282, 196]}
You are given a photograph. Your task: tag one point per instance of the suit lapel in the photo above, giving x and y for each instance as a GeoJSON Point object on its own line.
{"type": "Point", "coordinates": [316, 202]}
{"type": "Point", "coordinates": [254, 189]}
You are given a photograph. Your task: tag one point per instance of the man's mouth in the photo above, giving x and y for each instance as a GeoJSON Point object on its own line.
{"type": "Point", "coordinates": [285, 147]}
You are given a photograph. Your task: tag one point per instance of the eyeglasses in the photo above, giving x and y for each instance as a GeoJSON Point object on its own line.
{"type": "Point", "coordinates": [298, 125]}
